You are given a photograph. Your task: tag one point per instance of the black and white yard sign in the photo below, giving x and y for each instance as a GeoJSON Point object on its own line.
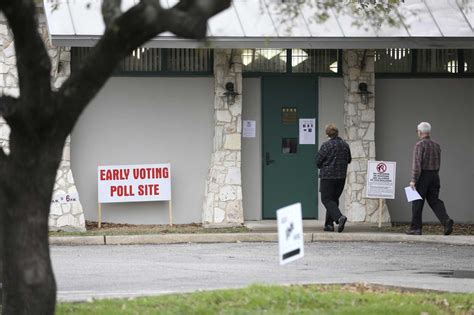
{"type": "Point", "coordinates": [290, 233]}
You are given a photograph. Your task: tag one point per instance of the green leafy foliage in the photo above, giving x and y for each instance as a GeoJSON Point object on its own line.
{"type": "Point", "coordinates": [368, 14]}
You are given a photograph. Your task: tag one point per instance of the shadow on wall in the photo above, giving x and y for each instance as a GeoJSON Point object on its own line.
{"type": "Point", "coordinates": [401, 104]}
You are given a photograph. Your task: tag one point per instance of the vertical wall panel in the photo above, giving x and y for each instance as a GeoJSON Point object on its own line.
{"type": "Point", "coordinates": [145, 121]}
{"type": "Point", "coordinates": [448, 104]}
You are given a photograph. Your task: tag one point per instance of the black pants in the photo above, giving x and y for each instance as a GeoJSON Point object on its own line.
{"type": "Point", "coordinates": [428, 186]}
{"type": "Point", "coordinates": [331, 190]}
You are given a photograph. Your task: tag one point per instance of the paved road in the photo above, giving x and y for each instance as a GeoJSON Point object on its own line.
{"type": "Point", "coordinates": [125, 271]}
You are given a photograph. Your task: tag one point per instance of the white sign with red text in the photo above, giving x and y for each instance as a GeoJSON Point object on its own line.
{"type": "Point", "coordinates": [134, 183]}
{"type": "Point", "coordinates": [381, 179]}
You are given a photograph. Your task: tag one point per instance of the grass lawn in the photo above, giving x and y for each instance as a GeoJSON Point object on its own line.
{"type": "Point", "coordinates": [130, 229]}
{"type": "Point", "coordinates": [308, 299]}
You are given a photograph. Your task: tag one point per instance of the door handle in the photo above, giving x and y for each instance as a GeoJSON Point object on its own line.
{"type": "Point", "coordinates": [268, 161]}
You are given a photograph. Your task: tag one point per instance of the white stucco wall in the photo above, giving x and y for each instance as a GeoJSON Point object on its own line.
{"type": "Point", "coordinates": [141, 121]}
{"type": "Point", "coordinates": [448, 104]}
{"type": "Point", "coordinates": [252, 151]}
{"type": "Point", "coordinates": [151, 120]}
{"type": "Point", "coordinates": [331, 110]}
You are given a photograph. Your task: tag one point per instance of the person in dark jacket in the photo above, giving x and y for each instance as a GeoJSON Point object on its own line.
{"type": "Point", "coordinates": [332, 160]}
{"type": "Point", "coordinates": [425, 178]}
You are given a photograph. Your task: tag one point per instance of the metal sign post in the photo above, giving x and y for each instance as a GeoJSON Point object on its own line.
{"type": "Point", "coordinates": [170, 211]}
{"type": "Point", "coordinates": [99, 216]}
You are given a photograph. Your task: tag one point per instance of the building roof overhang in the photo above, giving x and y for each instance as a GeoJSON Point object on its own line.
{"type": "Point", "coordinates": [249, 24]}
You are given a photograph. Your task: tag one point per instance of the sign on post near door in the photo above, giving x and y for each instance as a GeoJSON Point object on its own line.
{"type": "Point", "coordinates": [381, 179]}
{"type": "Point", "coordinates": [380, 182]}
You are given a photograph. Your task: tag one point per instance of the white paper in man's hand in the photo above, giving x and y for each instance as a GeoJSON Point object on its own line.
{"type": "Point", "coordinates": [412, 194]}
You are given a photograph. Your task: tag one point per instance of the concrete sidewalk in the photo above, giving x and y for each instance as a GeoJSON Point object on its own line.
{"type": "Point", "coordinates": [258, 237]}
{"type": "Point", "coordinates": [266, 231]}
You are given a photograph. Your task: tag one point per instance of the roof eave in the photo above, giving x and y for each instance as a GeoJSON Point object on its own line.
{"type": "Point", "coordinates": [287, 42]}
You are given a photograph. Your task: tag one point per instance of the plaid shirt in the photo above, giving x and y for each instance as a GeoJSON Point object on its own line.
{"type": "Point", "coordinates": [426, 157]}
{"type": "Point", "coordinates": [332, 159]}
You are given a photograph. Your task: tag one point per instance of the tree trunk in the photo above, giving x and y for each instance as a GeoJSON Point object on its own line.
{"type": "Point", "coordinates": [1, 253]}
{"type": "Point", "coordinates": [41, 120]}
{"type": "Point", "coordinates": [29, 284]}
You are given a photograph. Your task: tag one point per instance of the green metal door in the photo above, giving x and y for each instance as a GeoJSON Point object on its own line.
{"type": "Point", "coordinates": [289, 171]}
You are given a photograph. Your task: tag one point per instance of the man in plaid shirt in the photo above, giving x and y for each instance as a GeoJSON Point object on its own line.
{"type": "Point", "coordinates": [425, 178]}
{"type": "Point", "coordinates": [333, 158]}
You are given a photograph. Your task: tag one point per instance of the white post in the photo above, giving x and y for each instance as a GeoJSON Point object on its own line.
{"type": "Point", "coordinates": [99, 225]}
{"type": "Point", "coordinates": [380, 212]}
{"type": "Point", "coordinates": [170, 210]}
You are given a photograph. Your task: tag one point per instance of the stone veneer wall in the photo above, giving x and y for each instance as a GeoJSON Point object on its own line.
{"type": "Point", "coordinates": [223, 193]}
{"type": "Point", "coordinates": [63, 216]}
{"type": "Point", "coordinates": [359, 120]}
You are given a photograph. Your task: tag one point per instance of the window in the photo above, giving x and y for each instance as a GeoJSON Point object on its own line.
{"type": "Point", "coordinates": [314, 60]}
{"type": "Point", "coordinates": [394, 60]}
{"type": "Point", "coordinates": [437, 61]}
{"type": "Point", "coordinates": [424, 61]}
{"type": "Point", "coordinates": [142, 60]}
{"type": "Point", "coordinates": [158, 61]}
{"type": "Point", "coordinates": [289, 145]}
{"type": "Point", "coordinates": [189, 60]}
{"type": "Point", "coordinates": [301, 61]}
{"type": "Point", "coordinates": [468, 61]}
{"type": "Point", "coordinates": [264, 60]}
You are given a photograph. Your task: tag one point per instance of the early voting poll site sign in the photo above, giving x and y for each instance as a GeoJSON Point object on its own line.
{"type": "Point", "coordinates": [290, 233]}
{"type": "Point", "coordinates": [134, 183]}
{"type": "Point", "coordinates": [380, 182]}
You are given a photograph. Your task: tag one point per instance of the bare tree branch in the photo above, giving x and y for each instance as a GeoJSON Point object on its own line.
{"type": "Point", "coordinates": [127, 32]}
{"type": "Point", "coordinates": [8, 105]}
{"type": "Point", "coordinates": [189, 18]}
{"type": "Point", "coordinates": [3, 160]}
{"type": "Point", "coordinates": [33, 63]}
{"type": "Point", "coordinates": [111, 10]}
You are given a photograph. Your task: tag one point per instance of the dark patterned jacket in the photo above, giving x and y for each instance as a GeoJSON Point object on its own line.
{"type": "Point", "coordinates": [333, 158]}
{"type": "Point", "coordinates": [426, 157]}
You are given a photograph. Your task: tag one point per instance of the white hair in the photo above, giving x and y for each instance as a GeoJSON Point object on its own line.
{"type": "Point", "coordinates": [424, 127]}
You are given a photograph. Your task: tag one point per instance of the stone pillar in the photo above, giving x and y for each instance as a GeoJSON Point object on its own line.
{"type": "Point", "coordinates": [66, 216]}
{"type": "Point", "coordinates": [223, 193]}
{"type": "Point", "coordinates": [359, 120]}
{"type": "Point", "coordinates": [62, 216]}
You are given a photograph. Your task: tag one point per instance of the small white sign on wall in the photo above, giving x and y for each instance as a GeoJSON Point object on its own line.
{"type": "Point", "coordinates": [249, 128]}
{"type": "Point", "coordinates": [65, 198]}
{"type": "Point", "coordinates": [290, 233]}
{"type": "Point", "coordinates": [307, 133]}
